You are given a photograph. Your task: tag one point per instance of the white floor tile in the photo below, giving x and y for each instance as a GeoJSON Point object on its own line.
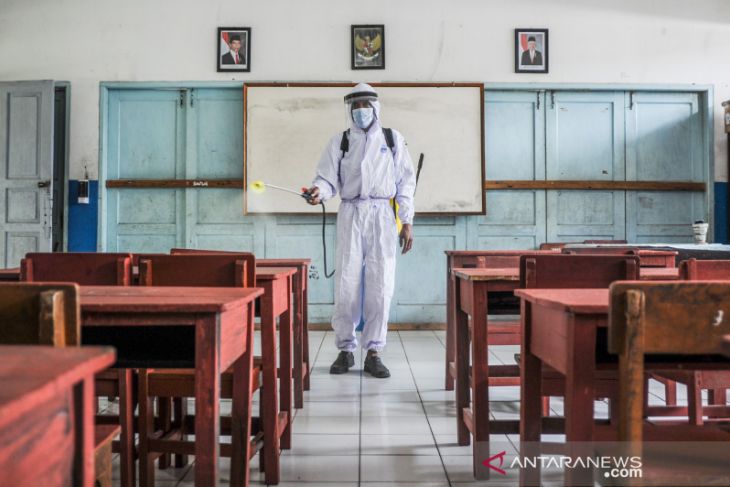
{"type": "Point", "coordinates": [324, 445]}
{"type": "Point", "coordinates": [339, 425]}
{"type": "Point", "coordinates": [374, 408]}
{"type": "Point", "coordinates": [398, 445]}
{"type": "Point", "coordinates": [309, 468]}
{"type": "Point", "coordinates": [395, 425]}
{"type": "Point", "coordinates": [401, 468]}
{"type": "Point", "coordinates": [326, 409]}
{"type": "Point", "coordinates": [372, 398]}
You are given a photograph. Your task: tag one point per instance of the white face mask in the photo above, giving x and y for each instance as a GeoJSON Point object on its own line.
{"type": "Point", "coordinates": [362, 117]}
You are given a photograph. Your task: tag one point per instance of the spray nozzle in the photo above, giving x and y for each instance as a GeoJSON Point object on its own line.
{"type": "Point", "coordinates": [260, 187]}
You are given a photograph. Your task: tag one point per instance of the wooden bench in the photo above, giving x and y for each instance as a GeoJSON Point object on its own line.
{"type": "Point", "coordinates": [85, 269]}
{"type": "Point", "coordinates": [300, 288]}
{"type": "Point", "coordinates": [682, 326]}
{"type": "Point", "coordinates": [716, 382]}
{"type": "Point", "coordinates": [220, 270]}
{"type": "Point", "coordinates": [102, 269]}
{"type": "Point", "coordinates": [40, 314]}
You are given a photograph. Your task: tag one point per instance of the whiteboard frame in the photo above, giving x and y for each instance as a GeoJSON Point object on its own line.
{"type": "Point", "coordinates": [285, 84]}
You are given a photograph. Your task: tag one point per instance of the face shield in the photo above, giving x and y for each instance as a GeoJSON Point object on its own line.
{"type": "Point", "coordinates": [361, 93]}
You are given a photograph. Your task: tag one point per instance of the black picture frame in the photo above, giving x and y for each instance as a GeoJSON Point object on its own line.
{"type": "Point", "coordinates": [541, 49]}
{"type": "Point", "coordinates": [367, 33]}
{"type": "Point", "coordinates": [223, 65]}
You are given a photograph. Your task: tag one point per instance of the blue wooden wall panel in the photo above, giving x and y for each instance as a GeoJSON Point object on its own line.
{"type": "Point", "coordinates": [529, 135]}
{"type": "Point", "coordinates": [664, 141]}
{"type": "Point", "coordinates": [585, 140]}
{"type": "Point", "coordinates": [514, 149]}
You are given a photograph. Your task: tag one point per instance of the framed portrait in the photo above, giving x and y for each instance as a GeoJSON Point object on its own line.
{"type": "Point", "coordinates": [531, 50]}
{"type": "Point", "coordinates": [234, 49]}
{"type": "Point", "coordinates": [368, 46]}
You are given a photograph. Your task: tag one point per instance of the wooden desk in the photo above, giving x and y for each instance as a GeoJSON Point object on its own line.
{"type": "Point", "coordinates": [726, 345]}
{"type": "Point", "coordinates": [276, 303]}
{"type": "Point", "coordinates": [559, 328]}
{"type": "Point", "coordinates": [47, 414]}
{"type": "Point", "coordinates": [468, 259]}
{"type": "Point", "coordinates": [300, 288]}
{"type": "Point", "coordinates": [471, 289]}
{"type": "Point", "coordinates": [171, 327]}
{"type": "Point", "coordinates": [659, 273]}
{"type": "Point", "coordinates": [12, 274]}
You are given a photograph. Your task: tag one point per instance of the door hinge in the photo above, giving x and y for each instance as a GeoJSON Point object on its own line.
{"type": "Point", "coordinates": [192, 97]}
{"type": "Point", "coordinates": [552, 100]}
{"type": "Point", "coordinates": [182, 98]}
{"type": "Point", "coordinates": [631, 100]}
{"type": "Point", "coordinates": [538, 101]}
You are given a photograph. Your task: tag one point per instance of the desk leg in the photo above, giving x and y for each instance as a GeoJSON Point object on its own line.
{"type": "Point", "coordinates": [479, 379]}
{"type": "Point", "coordinates": [84, 410]}
{"type": "Point", "coordinates": [298, 340]}
{"type": "Point", "coordinates": [269, 409]}
{"type": "Point", "coordinates": [207, 397]}
{"type": "Point", "coordinates": [242, 406]}
{"type": "Point", "coordinates": [126, 421]}
{"type": "Point", "coordinates": [451, 306]}
{"type": "Point", "coordinates": [579, 391]}
{"type": "Point", "coordinates": [461, 344]}
{"type": "Point", "coordinates": [305, 325]}
{"type": "Point", "coordinates": [285, 366]}
{"type": "Point", "coordinates": [531, 399]}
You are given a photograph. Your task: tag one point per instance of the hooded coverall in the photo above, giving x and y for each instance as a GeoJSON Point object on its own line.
{"type": "Point", "coordinates": [367, 177]}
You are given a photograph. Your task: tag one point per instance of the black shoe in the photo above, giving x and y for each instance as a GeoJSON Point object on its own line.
{"type": "Point", "coordinates": [375, 367]}
{"type": "Point", "coordinates": [344, 361]}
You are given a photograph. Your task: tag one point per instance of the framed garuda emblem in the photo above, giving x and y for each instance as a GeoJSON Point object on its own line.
{"type": "Point", "coordinates": [368, 46]}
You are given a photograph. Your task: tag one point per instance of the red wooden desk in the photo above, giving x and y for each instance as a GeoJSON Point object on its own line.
{"type": "Point", "coordinates": [276, 303]}
{"type": "Point", "coordinates": [471, 289]}
{"type": "Point", "coordinates": [202, 328]}
{"type": "Point", "coordinates": [468, 259]}
{"type": "Point", "coordinates": [300, 288]}
{"type": "Point", "coordinates": [559, 328]}
{"type": "Point", "coordinates": [12, 274]}
{"type": "Point", "coordinates": [47, 414]}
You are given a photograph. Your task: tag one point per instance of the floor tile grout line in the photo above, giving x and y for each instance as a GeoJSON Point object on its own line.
{"type": "Point", "coordinates": [423, 407]}
{"type": "Point", "coordinates": [359, 430]}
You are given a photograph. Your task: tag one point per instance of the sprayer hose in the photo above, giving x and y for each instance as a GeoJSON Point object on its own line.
{"type": "Point", "coordinates": [324, 243]}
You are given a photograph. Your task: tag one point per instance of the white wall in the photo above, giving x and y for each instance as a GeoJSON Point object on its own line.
{"type": "Point", "coordinates": [591, 41]}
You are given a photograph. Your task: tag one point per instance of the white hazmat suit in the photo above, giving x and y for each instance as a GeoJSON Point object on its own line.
{"type": "Point", "coordinates": [367, 177]}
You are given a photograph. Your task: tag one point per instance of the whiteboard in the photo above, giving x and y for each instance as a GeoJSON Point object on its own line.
{"type": "Point", "coordinates": [287, 127]}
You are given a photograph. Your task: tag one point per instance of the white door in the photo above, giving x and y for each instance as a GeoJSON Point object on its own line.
{"type": "Point", "coordinates": [26, 152]}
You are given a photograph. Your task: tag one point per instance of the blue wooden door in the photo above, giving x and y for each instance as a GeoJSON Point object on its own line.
{"type": "Point", "coordinates": [585, 141]}
{"type": "Point", "coordinates": [664, 143]}
{"type": "Point", "coordinates": [514, 149]}
{"type": "Point", "coordinates": [145, 138]}
{"type": "Point", "coordinates": [26, 152]}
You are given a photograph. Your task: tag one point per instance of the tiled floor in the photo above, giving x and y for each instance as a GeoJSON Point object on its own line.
{"type": "Point", "coordinates": [359, 431]}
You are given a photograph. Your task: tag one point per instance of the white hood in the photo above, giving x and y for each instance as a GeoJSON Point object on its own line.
{"type": "Point", "coordinates": [362, 88]}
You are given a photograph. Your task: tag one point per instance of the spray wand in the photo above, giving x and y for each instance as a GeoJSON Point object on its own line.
{"type": "Point", "coordinates": [260, 187]}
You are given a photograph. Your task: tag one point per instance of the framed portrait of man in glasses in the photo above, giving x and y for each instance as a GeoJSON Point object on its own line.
{"type": "Point", "coordinates": [531, 50]}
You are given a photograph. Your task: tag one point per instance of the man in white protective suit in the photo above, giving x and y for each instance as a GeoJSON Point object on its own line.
{"type": "Point", "coordinates": [368, 165]}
